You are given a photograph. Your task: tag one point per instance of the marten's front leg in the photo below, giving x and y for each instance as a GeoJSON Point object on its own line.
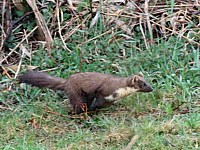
{"type": "Point", "coordinates": [99, 103]}
{"type": "Point", "coordinates": [96, 103]}
{"type": "Point", "coordinates": [78, 105]}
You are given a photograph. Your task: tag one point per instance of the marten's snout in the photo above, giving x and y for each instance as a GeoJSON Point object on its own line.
{"type": "Point", "coordinates": [149, 89]}
{"type": "Point", "coordinates": [145, 87]}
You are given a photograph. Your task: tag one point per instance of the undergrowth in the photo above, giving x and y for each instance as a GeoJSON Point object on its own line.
{"type": "Point", "coordinates": [40, 119]}
{"type": "Point", "coordinates": [167, 118]}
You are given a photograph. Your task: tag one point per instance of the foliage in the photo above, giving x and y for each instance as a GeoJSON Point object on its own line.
{"type": "Point", "coordinates": [167, 118]}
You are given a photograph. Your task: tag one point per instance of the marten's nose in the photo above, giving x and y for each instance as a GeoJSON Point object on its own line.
{"type": "Point", "coordinates": [149, 89]}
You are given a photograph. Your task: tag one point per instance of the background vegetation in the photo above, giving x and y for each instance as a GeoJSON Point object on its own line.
{"type": "Point", "coordinates": [161, 39]}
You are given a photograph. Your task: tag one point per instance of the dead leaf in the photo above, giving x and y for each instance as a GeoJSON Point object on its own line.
{"type": "Point", "coordinates": [122, 25]}
{"type": "Point", "coordinates": [71, 4]}
{"type": "Point", "coordinates": [95, 19]}
{"type": "Point", "coordinates": [42, 26]}
{"type": "Point", "coordinates": [19, 4]}
{"type": "Point", "coordinates": [34, 123]}
{"type": "Point", "coordinates": [25, 51]}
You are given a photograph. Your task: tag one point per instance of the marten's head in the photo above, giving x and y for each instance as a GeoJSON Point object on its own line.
{"type": "Point", "coordinates": [138, 82]}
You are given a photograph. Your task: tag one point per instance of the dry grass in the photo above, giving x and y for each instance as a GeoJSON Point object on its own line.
{"type": "Point", "coordinates": [57, 36]}
{"type": "Point", "coordinates": [157, 19]}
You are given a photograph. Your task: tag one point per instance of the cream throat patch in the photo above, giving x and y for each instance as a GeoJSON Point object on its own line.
{"type": "Point", "coordinates": [120, 93]}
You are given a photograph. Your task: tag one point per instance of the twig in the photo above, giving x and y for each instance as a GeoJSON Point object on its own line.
{"type": "Point", "coordinates": [142, 31]}
{"type": "Point", "coordinates": [49, 110]}
{"type": "Point", "coordinates": [99, 35]}
{"type": "Point", "coordinates": [189, 40]}
{"type": "Point", "coordinates": [75, 29]}
{"type": "Point", "coordinates": [18, 45]}
{"type": "Point", "coordinates": [18, 69]}
{"type": "Point", "coordinates": [5, 108]}
{"type": "Point", "coordinates": [132, 142]}
{"type": "Point", "coordinates": [2, 26]}
{"type": "Point", "coordinates": [59, 27]}
{"type": "Point", "coordinates": [146, 10]}
{"type": "Point", "coordinates": [178, 6]}
{"type": "Point", "coordinates": [46, 70]}
{"type": "Point", "coordinates": [20, 63]}
{"type": "Point", "coordinates": [6, 72]}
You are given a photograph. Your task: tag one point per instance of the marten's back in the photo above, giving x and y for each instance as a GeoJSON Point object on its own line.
{"type": "Point", "coordinates": [93, 81]}
{"type": "Point", "coordinates": [88, 82]}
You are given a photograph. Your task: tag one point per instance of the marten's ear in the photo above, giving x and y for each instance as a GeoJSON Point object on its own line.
{"type": "Point", "coordinates": [135, 79]}
{"type": "Point", "coordinates": [140, 74]}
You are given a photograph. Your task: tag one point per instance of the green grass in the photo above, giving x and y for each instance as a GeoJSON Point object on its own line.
{"type": "Point", "coordinates": [167, 118]}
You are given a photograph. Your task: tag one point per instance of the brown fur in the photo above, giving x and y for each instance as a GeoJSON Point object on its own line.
{"type": "Point", "coordinates": [93, 89]}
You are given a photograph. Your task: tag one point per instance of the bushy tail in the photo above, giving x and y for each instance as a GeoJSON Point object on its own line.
{"type": "Point", "coordinates": [40, 79]}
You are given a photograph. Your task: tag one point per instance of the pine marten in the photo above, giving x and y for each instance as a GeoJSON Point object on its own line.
{"type": "Point", "coordinates": [89, 90]}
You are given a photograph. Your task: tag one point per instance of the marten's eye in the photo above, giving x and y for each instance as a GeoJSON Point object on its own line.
{"type": "Point", "coordinates": [143, 84]}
